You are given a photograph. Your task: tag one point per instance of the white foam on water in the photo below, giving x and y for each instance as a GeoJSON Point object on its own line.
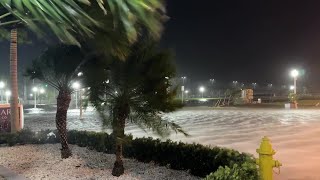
{"type": "Point", "coordinates": [294, 133]}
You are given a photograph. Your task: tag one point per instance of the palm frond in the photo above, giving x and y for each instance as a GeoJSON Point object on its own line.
{"type": "Point", "coordinates": [65, 18]}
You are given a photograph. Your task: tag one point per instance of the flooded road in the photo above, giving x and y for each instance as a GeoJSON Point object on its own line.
{"type": "Point", "coordinates": [294, 133]}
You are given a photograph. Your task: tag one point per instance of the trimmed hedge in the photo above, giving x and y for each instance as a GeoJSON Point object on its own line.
{"type": "Point", "coordinates": [199, 160]}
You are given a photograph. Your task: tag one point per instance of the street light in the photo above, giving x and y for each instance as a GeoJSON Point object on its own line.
{"type": "Point", "coordinates": [235, 83]}
{"type": "Point", "coordinates": [182, 87]}
{"type": "Point", "coordinates": [35, 90]}
{"type": "Point", "coordinates": [183, 79]}
{"type": "Point", "coordinates": [201, 89]}
{"type": "Point", "coordinates": [254, 85]}
{"type": "Point", "coordinates": [295, 74]}
{"type": "Point", "coordinates": [212, 89]}
{"type": "Point", "coordinates": [186, 91]}
{"type": "Point", "coordinates": [80, 74]}
{"type": "Point", "coordinates": [76, 86]}
{"type": "Point", "coordinates": [291, 87]}
{"type": "Point", "coordinates": [42, 91]}
{"type": "Point", "coordinates": [8, 94]}
{"type": "Point", "coordinates": [2, 84]}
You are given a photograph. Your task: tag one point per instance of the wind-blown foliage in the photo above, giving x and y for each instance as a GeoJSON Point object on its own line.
{"type": "Point", "coordinates": [142, 81]}
{"type": "Point", "coordinates": [57, 66]}
{"type": "Point", "coordinates": [137, 90]}
{"type": "Point", "coordinates": [68, 20]}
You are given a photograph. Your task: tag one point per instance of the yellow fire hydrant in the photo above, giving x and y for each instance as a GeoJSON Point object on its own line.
{"type": "Point", "coordinates": [265, 161]}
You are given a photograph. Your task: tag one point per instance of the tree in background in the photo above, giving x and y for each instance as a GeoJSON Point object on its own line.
{"type": "Point", "coordinates": [58, 67]}
{"type": "Point", "coordinates": [70, 23]}
{"type": "Point", "coordinates": [135, 90]}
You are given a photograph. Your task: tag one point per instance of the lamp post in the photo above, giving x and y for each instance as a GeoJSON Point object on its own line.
{"type": "Point", "coordinates": [76, 86]}
{"type": "Point", "coordinates": [42, 91]}
{"type": "Point", "coordinates": [235, 83]}
{"type": "Point", "coordinates": [212, 81]}
{"type": "Point", "coordinates": [186, 91]}
{"type": "Point", "coordinates": [8, 94]}
{"type": "Point", "coordinates": [2, 85]}
{"type": "Point", "coordinates": [182, 87]}
{"type": "Point", "coordinates": [35, 90]}
{"type": "Point", "coordinates": [201, 89]}
{"type": "Point", "coordinates": [254, 85]}
{"type": "Point", "coordinates": [295, 74]}
{"type": "Point", "coordinates": [292, 88]}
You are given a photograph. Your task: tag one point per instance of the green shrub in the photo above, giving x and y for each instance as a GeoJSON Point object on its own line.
{"type": "Point", "coordinates": [199, 160]}
{"type": "Point", "coordinates": [245, 171]}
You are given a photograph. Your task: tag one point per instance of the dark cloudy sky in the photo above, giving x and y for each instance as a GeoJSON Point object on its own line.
{"type": "Point", "coordinates": [243, 40]}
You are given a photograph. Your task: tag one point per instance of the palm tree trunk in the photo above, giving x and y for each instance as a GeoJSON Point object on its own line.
{"type": "Point", "coordinates": [15, 124]}
{"type": "Point", "coordinates": [63, 102]}
{"type": "Point", "coordinates": [118, 131]}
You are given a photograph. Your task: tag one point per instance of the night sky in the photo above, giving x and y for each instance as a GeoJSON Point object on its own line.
{"type": "Point", "coordinates": [244, 40]}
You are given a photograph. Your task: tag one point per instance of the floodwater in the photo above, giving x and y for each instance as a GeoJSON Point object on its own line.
{"type": "Point", "coordinates": [294, 133]}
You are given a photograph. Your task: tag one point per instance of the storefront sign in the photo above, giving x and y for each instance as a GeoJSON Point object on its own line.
{"type": "Point", "coordinates": [5, 123]}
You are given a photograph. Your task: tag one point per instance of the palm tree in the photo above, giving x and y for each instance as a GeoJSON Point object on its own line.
{"type": "Point", "coordinates": [15, 123]}
{"type": "Point", "coordinates": [135, 90]}
{"type": "Point", "coordinates": [51, 68]}
{"type": "Point", "coordinates": [69, 22]}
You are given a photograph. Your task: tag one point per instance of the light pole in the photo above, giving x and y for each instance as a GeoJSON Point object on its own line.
{"type": "Point", "coordinates": [42, 91]}
{"type": "Point", "coordinates": [35, 90]}
{"type": "Point", "coordinates": [254, 85]}
{"type": "Point", "coordinates": [2, 85]}
{"type": "Point", "coordinates": [8, 94]}
{"type": "Point", "coordinates": [76, 86]}
{"type": "Point", "coordinates": [235, 83]}
{"type": "Point", "coordinates": [182, 87]}
{"type": "Point", "coordinates": [292, 88]}
{"type": "Point", "coordinates": [81, 102]}
{"type": "Point", "coordinates": [201, 89]}
{"type": "Point", "coordinates": [295, 74]}
{"type": "Point", "coordinates": [212, 81]}
{"type": "Point", "coordinates": [186, 91]}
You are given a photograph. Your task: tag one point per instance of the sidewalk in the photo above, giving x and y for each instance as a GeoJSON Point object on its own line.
{"type": "Point", "coordinates": [10, 175]}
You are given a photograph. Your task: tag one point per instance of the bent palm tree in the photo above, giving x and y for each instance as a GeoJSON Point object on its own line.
{"type": "Point", "coordinates": [137, 90]}
{"type": "Point", "coordinates": [51, 68]}
{"type": "Point", "coordinates": [69, 22]}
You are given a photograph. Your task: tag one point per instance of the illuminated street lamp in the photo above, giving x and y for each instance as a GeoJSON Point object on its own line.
{"type": "Point", "coordinates": [291, 87]}
{"type": "Point", "coordinates": [234, 83]}
{"type": "Point", "coordinates": [182, 87]}
{"type": "Point", "coordinates": [254, 85]}
{"type": "Point", "coordinates": [8, 94]}
{"type": "Point", "coordinates": [80, 74]}
{"type": "Point", "coordinates": [202, 89]}
{"type": "Point", "coordinates": [42, 91]}
{"type": "Point", "coordinates": [212, 89]}
{"type": "Point", "coordinates": [186, 92]}
{"type": "Point", "coordinates": [295, 74]}
{"type": "Point", "coordinates": [76, 86]}
{"type": "Point", "coordinates": [35, 90]}
{"type": "Point", "coordinates": [2, 84]}
{"type": "Point", "coordinates": [183, 79]}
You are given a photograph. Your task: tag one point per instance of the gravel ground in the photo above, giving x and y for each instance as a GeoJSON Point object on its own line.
{"type": "Point", "coordinates": [44, 162]}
